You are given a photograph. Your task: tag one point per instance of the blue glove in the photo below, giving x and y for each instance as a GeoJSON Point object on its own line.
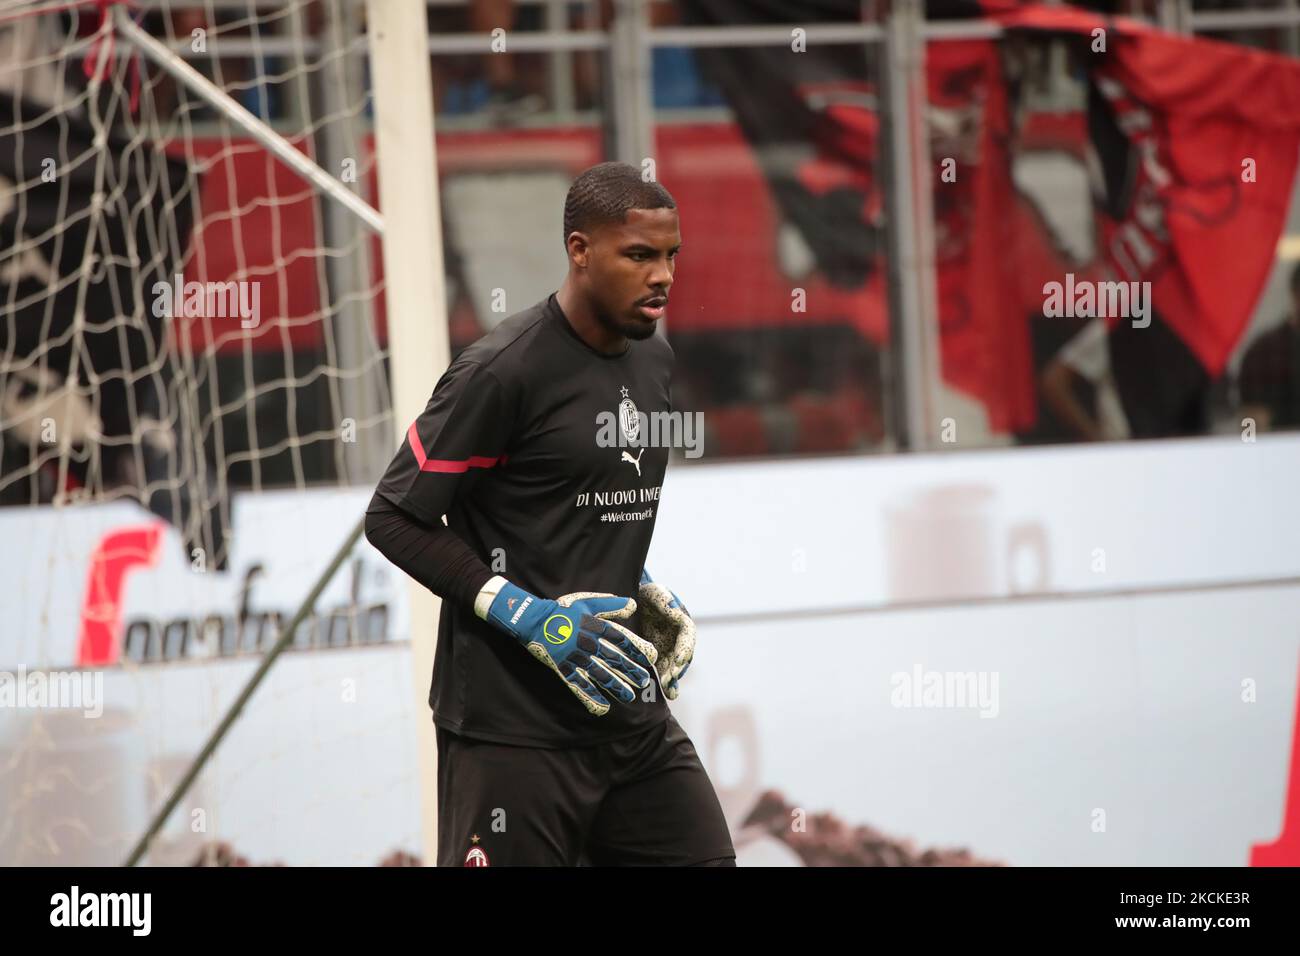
{"type": "Point", "coordinates": [668, 626]}
{"type": "Point", "coordinates": [577, 637]}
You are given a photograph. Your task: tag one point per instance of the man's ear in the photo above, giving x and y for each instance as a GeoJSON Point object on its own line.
{"type": "Point", "coordinates": [579, 246]}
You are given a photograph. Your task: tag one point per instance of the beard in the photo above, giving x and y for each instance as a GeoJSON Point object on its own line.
{"type": "Point", "coordinates": [638, 331]}
{"type": "Point", "coordinates": [629, 328]}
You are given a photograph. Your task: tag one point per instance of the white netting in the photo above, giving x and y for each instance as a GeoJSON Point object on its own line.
{"type": "Point", "coordinates": [269, 374]}
{"type": "Point", "coordinates": [191, 375]}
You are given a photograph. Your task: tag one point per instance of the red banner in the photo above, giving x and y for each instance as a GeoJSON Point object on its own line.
{"type": "Point", "coordinates": [1199, 174]}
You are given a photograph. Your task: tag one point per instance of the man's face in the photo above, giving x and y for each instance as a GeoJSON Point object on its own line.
{"type": "Point", "coordinates": [629, 268]}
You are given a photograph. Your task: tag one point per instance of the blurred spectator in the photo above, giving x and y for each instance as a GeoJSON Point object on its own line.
{"type": "Point", "coordinates": [1146, 383]}
{"type": "Point", "coordinates": [507, 99]}
{"type": "Point", "coordinates": [254, 80]}
{"type": "Point", "coordinates": [1048, 336]}
{"type": "Point", "coordinates": [1270, 392]}
{"type": "Point", "coordinates": [506, 87]}
{"type": "Point", "coordinates": [1162, 386]}
{"type": "Point", "coordinates": [1085, 360]}
{"type": "Point", "coordinates": [787, 391]}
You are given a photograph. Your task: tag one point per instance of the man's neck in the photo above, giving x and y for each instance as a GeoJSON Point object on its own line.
{"type": "Point", "coordinates": [582, 319]}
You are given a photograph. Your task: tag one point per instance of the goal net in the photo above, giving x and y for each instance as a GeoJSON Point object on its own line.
{"type": "Point", "coordinates": [193, 402]}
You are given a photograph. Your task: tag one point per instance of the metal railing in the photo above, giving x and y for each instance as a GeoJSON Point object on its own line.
{"type": "Point", "coordinates": [629, 117]}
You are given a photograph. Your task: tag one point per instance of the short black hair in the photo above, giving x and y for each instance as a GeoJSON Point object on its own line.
{"type": "Point", "coordinates": [604, 193]}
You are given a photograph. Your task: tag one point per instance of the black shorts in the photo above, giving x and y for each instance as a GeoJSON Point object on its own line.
{"type": "Point", "coordinates": [644, 800]}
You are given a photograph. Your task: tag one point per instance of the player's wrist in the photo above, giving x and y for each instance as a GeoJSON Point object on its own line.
{"type": "Point", "coordinates": [487, 594]}
{"type": "Point", "coordinates": [498, 600]}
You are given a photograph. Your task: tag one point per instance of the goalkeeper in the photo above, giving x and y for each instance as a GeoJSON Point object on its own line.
{"type": "Point", "coordinates": [555, 742]}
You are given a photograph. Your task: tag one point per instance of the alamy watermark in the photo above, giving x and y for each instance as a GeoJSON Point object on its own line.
{"type": "Point", "coordinates": [1085, 299]}
{"type": "Point", "coordinates": [132, 911]}
{"type": "Point", "coordinates": [53, 690]}
{"type": "Point", "coordinates": [208, 300]}
{"type": "Point", "coordinates": [946, 689]}
{"type": "Point", "coordinates": [630, 428]}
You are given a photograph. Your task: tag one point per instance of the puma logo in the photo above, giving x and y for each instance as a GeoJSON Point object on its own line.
{"type": "Point", "coordinates": [636, 461]}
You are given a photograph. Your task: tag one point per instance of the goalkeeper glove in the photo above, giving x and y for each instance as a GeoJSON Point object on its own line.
{"type": "Point", "coordinates": [668, 626]}
{"type": "Point", "coordinates": [577, 637]}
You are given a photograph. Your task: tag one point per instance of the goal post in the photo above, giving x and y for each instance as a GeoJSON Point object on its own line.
{"type": "Point", "coordinates": [414, 286]}
{"type": "Point", "coordinates": [190, 479]}
{"type": "Point", "coordinates": [415, 293]}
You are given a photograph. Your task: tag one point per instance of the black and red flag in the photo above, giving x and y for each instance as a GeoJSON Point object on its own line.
{"type": "Point", "coordinates": [1196, 141]}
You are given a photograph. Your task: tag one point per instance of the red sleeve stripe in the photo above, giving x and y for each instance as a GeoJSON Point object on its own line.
{"type": "Point", "coordinates": [446, 466]}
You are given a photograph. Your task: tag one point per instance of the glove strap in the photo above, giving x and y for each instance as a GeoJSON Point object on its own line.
{"type": "Point", "coordinates": [514, 610]}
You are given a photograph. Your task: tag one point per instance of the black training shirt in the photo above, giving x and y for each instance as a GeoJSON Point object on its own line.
{"type": "Point", "coordinates": [512, 449]}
